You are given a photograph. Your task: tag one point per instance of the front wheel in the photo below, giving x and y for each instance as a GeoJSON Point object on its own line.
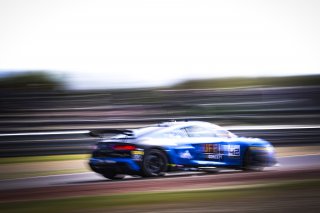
{"type": "Point", "coordinates": [249, 164]}
{"type": "Point", "coordinates": [154, 163]}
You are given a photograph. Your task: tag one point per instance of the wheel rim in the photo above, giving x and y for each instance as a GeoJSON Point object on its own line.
{"type": "Point", "coordinates": [154, 163]}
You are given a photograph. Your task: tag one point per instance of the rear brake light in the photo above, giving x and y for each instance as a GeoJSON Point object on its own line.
{"type": "Point", "coordinates": [124, 147]}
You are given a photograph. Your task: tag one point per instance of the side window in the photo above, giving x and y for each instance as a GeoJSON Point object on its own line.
{"type": "Point", "coordinates": [177, 133]}
{"type": "Point", "coordinates": [198, 131]}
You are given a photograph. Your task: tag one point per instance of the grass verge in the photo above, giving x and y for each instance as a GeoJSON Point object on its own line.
{"type": "Point", "coordinates": [136, 201]}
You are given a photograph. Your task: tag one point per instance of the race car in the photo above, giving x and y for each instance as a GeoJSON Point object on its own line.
{"type": "Point", "coordinates": [176, 145]}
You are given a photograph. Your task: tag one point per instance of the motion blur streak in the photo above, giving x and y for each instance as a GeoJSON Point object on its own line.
{"type": "Point", "coordinates": [39, 122]}
{"type": "Point", "coordinates": [62, 110]}
{"type": "Point", "coordinates": [79, 142]}
{"type": "Point", "coordinates": [56, 121]}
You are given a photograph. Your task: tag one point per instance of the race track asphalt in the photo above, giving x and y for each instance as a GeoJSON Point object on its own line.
{"type": "Point", "coordinates": [89, 183]}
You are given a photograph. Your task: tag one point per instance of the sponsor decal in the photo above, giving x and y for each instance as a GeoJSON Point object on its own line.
{"type": "Point", "coordinates": [217, 151]}
{"type": "Point", "coordinates": [211, 148]}
{"type": "Point", "coordinates": [186, 155]}
{"type": "Point", "coordinates": [137, 155]}
{"type": "Point", "coordinates": [137, 152]}
{"type": "Point", "coordinates": [213, 151]}
{"type": "Point", "coordinates": [214, 157]}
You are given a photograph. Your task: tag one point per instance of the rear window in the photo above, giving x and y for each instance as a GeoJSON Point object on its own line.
{"type": "Point", "coordinates": [139, 132]}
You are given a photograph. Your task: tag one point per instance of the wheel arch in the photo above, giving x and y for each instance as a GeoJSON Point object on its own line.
{"type": "Point", "coordinates": [245, 148]}
{"type": "Point", "coordinates": [162, 149]}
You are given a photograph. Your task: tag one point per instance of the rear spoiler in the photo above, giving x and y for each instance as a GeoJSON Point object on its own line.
{"type": "Point", "coordinates": [101, 132]}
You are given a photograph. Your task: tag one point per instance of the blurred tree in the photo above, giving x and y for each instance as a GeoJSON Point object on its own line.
{"type": "Point", "coordinates": [31, 81]}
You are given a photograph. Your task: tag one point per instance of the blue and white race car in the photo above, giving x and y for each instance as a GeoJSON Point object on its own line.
{"type": "Point", "coordinates": [186, 145]}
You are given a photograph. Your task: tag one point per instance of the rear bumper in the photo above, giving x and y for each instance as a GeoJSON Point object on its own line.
{"type": "Point", "coordinates": [118, 165]}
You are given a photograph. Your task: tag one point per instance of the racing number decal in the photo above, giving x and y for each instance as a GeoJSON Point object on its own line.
{"type": "Point", "coordinates": [232, 150]}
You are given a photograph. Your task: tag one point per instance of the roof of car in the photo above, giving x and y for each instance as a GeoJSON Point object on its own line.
{"type": "Point", "coordinates": [165, 127]}
{"type": "Point", "coordinates": [185, 123]}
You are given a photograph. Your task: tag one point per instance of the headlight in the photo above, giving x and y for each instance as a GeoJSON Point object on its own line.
{"type": "Point", "coordinates": [268, 148]}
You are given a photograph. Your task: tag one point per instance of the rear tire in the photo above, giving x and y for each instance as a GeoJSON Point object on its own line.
{"type": "Point", "coordinates": [154, 163]}
{"type": "Point", "coordinates": [248, 162]}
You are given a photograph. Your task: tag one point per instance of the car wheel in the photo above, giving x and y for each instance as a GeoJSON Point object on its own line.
{"type": "Point", "coordinates": [113, 176]}
{"type": "Point", "coordinates": [248, 162]}
{"type": "Point", "coordinates": [154, 163]}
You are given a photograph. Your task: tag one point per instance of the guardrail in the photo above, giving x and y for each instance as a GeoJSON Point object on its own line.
{"type": "Point", "coordinates": [79, 141]}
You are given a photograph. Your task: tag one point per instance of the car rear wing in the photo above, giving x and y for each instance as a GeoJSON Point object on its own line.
{"type": "Point", "coordinates": [103, 132]}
